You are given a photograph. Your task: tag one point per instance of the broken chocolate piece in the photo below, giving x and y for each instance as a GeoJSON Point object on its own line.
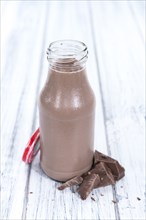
{"type": "Point", "coordinates": [106, 177]}
{"type": "Point", "coordinates": [104, 171]}
{"type": "Point", "coordinates": [88, 185]}
{"type": "Point", "coordinates": [74, 181]}
{"type": "Point", "coordinates": [117, 170]}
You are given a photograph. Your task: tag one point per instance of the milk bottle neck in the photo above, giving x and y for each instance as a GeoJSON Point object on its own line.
{"type": "Point", "coordinates": [67, 56]}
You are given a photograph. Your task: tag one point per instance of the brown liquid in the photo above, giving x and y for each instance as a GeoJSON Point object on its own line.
{"type": "Point", "coordinates": [67, 110]}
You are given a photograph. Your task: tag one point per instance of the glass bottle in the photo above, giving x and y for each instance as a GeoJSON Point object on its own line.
{"type": "Point", "coordinates": [66, 112]}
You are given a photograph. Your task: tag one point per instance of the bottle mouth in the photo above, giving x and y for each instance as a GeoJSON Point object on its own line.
{"type": "Point", "coordinates": [67, 53]}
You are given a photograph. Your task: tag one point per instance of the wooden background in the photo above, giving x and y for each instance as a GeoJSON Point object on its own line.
{"type": "Point", "coordinates": [115, 35]}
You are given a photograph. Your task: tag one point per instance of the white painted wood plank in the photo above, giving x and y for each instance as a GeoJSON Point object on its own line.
{"type": "Point", "coordinates": [19, 89]}
{"type": "Point", "coordinates": [138, 12]}
{"type": "Point", "coordinates": [120, 55]}
{"type": "Point", "coordinates": [69, 19]}
{"type": "Point", "coordinates": [8, 19]}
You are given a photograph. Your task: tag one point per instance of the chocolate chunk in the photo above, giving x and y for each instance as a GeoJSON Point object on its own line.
{"type": "Point", "coordinates": [117, 170]}
{"type": "Point", "coordinates": [104, 171]}
{"type": "Point", "coordinates": [74, 181]}
{"type": "Point", "coordinates": [106, 177]}
{"type": "Point", "coordinates": [89, 183]}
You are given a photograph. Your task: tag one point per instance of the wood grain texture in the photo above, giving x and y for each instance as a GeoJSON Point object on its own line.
{"type": "Point", "coordinates": [19, 92]}
{"type": "Point", "coordinates": [122, 86]}
{"type": "Point", "coordinates": [114, 33]}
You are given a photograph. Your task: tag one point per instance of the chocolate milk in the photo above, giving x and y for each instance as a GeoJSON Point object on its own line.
{"type": "Point", "coordinates": [67, 111]}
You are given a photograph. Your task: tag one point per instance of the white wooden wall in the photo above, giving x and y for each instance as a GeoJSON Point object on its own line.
{"type": "Point", "coordinates": [114, 32]}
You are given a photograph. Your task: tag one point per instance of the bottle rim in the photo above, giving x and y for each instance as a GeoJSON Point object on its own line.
{"type": "Point", "coordinates": [67, 52]}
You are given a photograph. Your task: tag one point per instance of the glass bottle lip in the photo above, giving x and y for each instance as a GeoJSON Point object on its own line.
{"type": "Point", "coordinates": [67, 52]}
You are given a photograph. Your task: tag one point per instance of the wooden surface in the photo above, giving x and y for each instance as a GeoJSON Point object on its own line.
{"type": "Point", "coordinates": [114, 32]}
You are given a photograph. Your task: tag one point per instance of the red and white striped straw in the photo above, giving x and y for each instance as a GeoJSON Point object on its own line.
{"type": "Point", "coordinates": [32, 147]}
